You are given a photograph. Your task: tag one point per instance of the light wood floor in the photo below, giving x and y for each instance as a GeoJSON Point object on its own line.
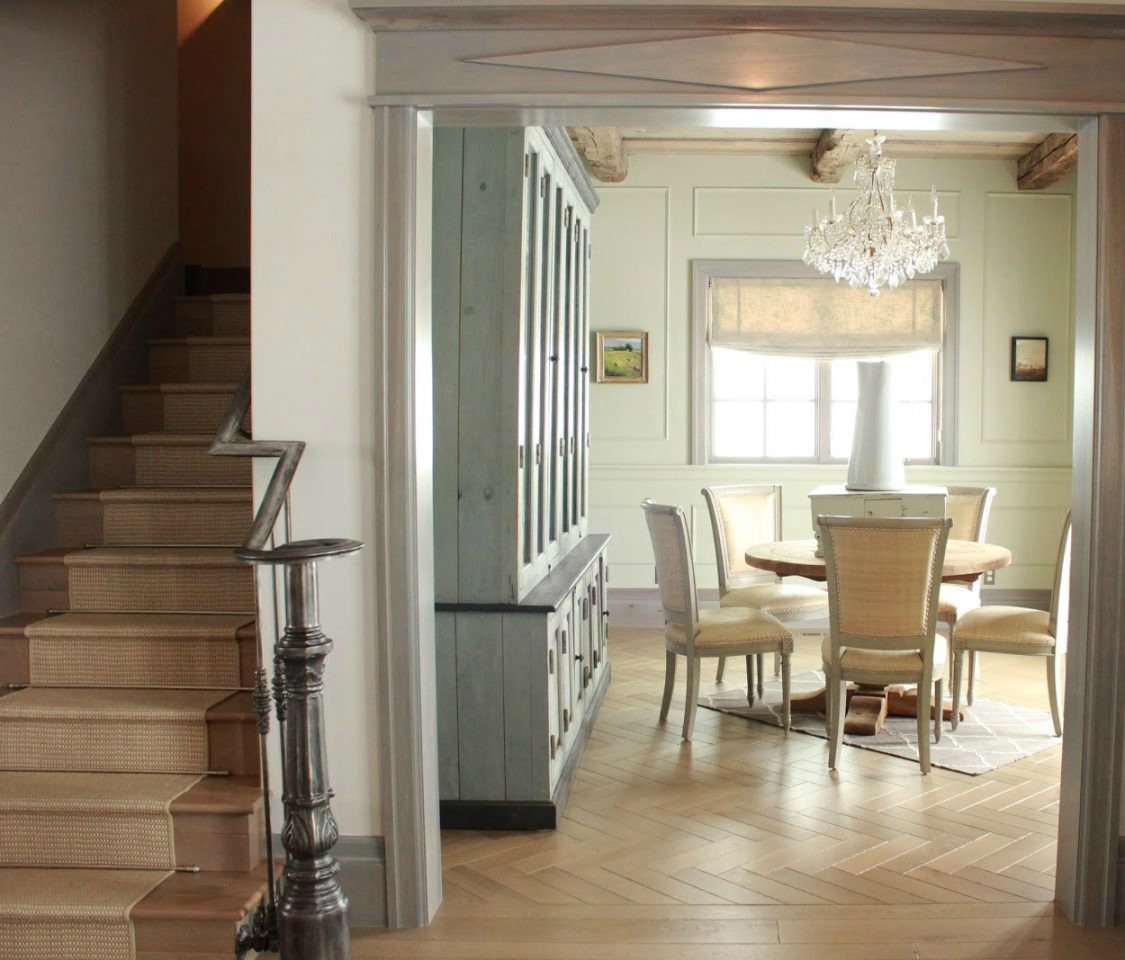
{"type": "Point", "coordinates": [742, 845]}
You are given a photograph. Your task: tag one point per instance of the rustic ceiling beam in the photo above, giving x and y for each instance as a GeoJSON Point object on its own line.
{"type": "Point", "coordinates": [603, 151]}
{"type": "Point", "coordinates": [1048, 162]}
{"type": "Point", "coordinates": [834, 151]}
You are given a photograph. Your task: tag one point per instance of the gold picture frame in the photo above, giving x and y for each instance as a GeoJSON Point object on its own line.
{"type": "Point", "coordinates": [622, 356]}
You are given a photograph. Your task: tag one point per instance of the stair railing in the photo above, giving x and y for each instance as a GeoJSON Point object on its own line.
{"type": "Point", "coordinates": [306, 917]}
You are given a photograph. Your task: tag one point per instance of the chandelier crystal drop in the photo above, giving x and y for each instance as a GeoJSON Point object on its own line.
{"type": "Point", "coordinates": [875, 243]}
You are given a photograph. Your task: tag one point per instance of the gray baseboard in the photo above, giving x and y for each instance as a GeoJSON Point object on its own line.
{"type": "Point", "coordinates": [59, 463]}
{"type": "Point", "coordinates": [363, 875]}
{"type": "Point", "coordinates": [640, 606]}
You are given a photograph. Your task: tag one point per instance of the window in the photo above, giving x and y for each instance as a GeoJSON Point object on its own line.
{"type": "Point", "coordinates": [776, 349]}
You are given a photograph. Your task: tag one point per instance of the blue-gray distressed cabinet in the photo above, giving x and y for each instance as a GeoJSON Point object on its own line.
{"type": "Point", "coordinates": [520, 584]}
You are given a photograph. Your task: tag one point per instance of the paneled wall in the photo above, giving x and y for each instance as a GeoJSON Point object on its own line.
{"type": "Point", "coordinates": [1015, 252]}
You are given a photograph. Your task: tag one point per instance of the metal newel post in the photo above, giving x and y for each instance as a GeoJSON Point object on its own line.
{"type": "Point", "coordinates": [312, 914]}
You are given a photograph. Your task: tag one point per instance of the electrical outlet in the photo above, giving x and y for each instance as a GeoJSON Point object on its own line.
{"type": "Point", "coordinates": [989, 578]}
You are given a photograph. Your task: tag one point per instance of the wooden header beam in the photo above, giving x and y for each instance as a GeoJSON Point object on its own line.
{"type": "Point", "coordinates": [1049, 162]}
{"type": "Point", "coordinates": [603, 151]}
{"type": "Point", "coordinates": [834, 151]}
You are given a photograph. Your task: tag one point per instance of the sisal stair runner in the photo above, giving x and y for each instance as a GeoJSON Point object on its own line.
{"type": "Point", "coordinates": [129, 693]}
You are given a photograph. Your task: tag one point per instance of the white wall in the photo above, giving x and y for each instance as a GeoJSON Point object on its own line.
{"type": "Point", "coordinates": [1015, 255]}
{"type": "Point", "coordinates": [88, 195]}
{"type": "Point", "coordinates": [313, 358]}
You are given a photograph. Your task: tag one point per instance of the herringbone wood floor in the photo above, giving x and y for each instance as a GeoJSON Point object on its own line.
{"type": "Point", "coordinates": [743, 844]}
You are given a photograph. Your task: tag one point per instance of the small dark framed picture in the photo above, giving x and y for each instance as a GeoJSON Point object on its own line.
{"type": "Point", "coordinates": [622, 356]}
{"type": "Point", "coordinates": [1029, 358]}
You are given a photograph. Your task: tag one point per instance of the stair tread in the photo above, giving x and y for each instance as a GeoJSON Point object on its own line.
{"type": "Point", "coordinates": [219, 493]}
{"type": "Point", "coordinates": [111, 702]}
{"type": "Point", "coordinates": [238, 708]}
{"type": "Point", "coordinates": [213, 298]}
{"type": "Point", "coordinates": [201, 340]}
{"type": "Point", "coordinates": [206, 386]}
{"type": "Point", "coordinates": [203, 896]}
{"type": "Point", "coordinates": [155, 440]}
{"type": "Point", "coordinates": [212, 795]}
{"type": "Point", "coordinates": [37, 886]}
{"type": "Point", "coordinates": [49, 556]}
{"type": "Point", "coordinates": [17, 623]}
{"type": "Point", "coordinates": [155, 625]}
{"type": "Point", "coordinates": [170, 555]}
{"type": "Point", "coordinates": [218, 795]}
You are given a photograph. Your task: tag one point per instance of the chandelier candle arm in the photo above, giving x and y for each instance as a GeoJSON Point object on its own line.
{"type": "Point", "coordinates": [872, 245]}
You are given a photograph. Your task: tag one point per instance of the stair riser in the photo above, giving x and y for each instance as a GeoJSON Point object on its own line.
{"type": "Point", "coordinates": [82, 523]}
{"type": "Point", "coordinates": [192, 939]}
{"type": "Point", "coordinates": [162, 589]}
{"type": "Point", "coordinates": [124, 465]}
{"type": "Point", "coordinates": [226, 842]}
{"type": "Point", "coordinates": [174, 412]}
{"type": "Point", "coordinates": [15, 665]}
{"type": "Point", "coordinates": [189, 362]}
{"type": "Point", "coordinates": [67, 745]}
{"type": "Point", "coordinates": [213, 318]}
{"type": "Point", "coordinates": [212, 842]}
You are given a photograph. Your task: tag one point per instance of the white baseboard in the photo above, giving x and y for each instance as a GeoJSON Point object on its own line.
{"type": "Point", "coordinates": [640, 606]}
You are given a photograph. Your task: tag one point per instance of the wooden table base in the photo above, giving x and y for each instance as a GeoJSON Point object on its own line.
{"type": "Point", "coordinates": [869, 707]}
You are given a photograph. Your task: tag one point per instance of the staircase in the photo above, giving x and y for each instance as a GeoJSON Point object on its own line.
{"type": "Point", "coordinates": [128, 743]}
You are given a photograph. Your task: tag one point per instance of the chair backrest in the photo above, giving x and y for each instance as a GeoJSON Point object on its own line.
{"type": "Point", "coordinates": [883, 578]}
{"type": "Point", "coordinates": [742, 515]}
{"type": "Point", "coordinates": [1060, 596]}
{"type": "Point", "coordinates": [675, 574]}
{"type": "Point", "coordinates": [969, 508]}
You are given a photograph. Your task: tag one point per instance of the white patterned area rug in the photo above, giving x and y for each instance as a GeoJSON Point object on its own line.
{"type": "Point", "coordinates": [991, 735]}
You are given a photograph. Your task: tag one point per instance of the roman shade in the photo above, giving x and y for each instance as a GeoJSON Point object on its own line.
{"type": "Point", "coordinates": [815, 317]}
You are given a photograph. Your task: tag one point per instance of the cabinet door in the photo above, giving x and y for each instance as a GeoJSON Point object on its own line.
{"type": "Point", "coordinates": [584, 429]}
{"type": "Point", "coordinates": [531, 373]}
{"type": "Point", "coordinates": [564, 633]}
{"type": "Point", "coordinates": [579, 374]}
{"type": "Point", "coordinates": [554, 744]}
{"type": "Point", "coordinates": [548, 360]}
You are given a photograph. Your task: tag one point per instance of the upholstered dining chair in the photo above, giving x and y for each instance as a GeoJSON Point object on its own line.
{"type": "Point", "coordinates": [969, 508]}
{"type": "Point", "coordinates": [692, 633]}
{"type": "Point", "coordinates": [743, 515]}
{"type": "Point", "coordinates": [883, 578]}
{"type": "Point", "coordinates": [1020, 630]}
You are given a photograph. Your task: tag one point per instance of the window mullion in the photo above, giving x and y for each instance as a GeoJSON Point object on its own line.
{"type": "Point", "coordinates": [823, 410]}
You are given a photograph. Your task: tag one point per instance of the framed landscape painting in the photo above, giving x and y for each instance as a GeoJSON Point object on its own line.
{"type": "Point", "coordinates": [1029, 358]}
{"type": "Point", "coordinates": [622, 356]}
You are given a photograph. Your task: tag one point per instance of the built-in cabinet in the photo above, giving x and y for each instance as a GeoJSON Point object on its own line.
{"type": "Point", "coordinates": [519, 583]}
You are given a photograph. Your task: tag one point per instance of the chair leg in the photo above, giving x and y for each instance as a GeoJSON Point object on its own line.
{"type": "Point", "coordinates": [692, 701]}
{"type": "Point", "coordinates": [669, 682]}
{"type": "Point", "coordinates": [924, 694]}
{"type": "Point", "coordinates": [786, 717]}
{"type": "Point", "coordinates": [939, 702]}
{"type": "Point", "coordinates": [720, 669]}
{"type": "Point", "coordinates": [958, 668]}
{"type": "Point", "coordinates": [777, 664]}
{"type": "Point", "coordinates": [972, 677]}
{"type": "Point", "coordinates": [839, 708]}
{"type": "Point", "coordinates": [1054, 671]}
{"type": "Point", "coordinates": [750, 679]}
{"type": "Point", "coordinates": [829, 710]}
{"type": "Point", "coordinates": [761, 676]}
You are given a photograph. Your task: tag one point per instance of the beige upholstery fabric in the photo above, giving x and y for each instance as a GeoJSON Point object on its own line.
{"type": "Point", "coordinates": [733, 630]}
{"type": "Point", "coordinates": [894, 663]}
{"type": "Point", "coordinates": [1019, 628]}
{"type": "Point", "coordinates": [746, 515]}
{"type": "Point", "coordinates": [964, 505]}
{"type": "Point", "coordinates": [673, 575]}
{"type": "Point", "coordinates": [781, 599]}
{"type": "Point", "coordinates": [955, 600]}
{"type": "Point", "coordinates": [880, 583]}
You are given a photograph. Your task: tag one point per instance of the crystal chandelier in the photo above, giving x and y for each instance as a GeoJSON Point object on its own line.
{"type": "Point", "coordinates": [874, 242]}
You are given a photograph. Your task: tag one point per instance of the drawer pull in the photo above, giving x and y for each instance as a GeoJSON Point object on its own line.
{"type": "Point", "coordinates": [554, 746]}
{"type": "Point", "coordinates": [566, 720]}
